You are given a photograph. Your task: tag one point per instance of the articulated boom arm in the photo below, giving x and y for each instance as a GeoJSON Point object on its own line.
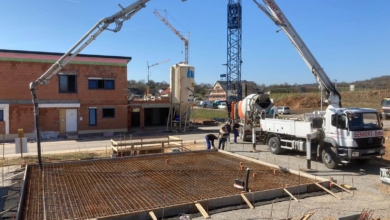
{"type": "Point", "coordinates": [118, 18]}
{"type": "Point", "coordinates": [185, 40]}
{"type": "Point", "coordinates": [332, 95]}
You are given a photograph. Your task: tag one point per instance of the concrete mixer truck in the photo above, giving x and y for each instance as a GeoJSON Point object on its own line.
{"type": "Point", "coordinates": [336, 135]}
{"type": "Point", "coordinates": [250, 110]}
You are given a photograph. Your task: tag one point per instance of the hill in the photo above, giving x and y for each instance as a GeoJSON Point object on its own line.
{"type": "Point", "coordinates": [360, 98]}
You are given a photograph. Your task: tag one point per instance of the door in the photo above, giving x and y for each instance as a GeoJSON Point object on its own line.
{"type": "Point", "coordinates": [71, 120]}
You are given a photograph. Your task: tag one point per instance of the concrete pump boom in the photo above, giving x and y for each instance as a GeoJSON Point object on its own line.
{"type": "Point", "coordinates": [332, 96]}
{"type": "Point", "coordinates": [118, 18]}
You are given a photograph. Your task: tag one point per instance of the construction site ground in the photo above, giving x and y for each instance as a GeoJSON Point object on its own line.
{"type": "Point", "coordinates": [370, 193]}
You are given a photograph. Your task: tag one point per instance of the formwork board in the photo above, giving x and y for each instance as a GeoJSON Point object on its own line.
{"type": "Point", "coordinates": [109, 187]}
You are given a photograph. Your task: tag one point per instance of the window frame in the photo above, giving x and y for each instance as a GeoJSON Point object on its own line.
{"type": "Point", "coordinates": [108, 116]}
{"type": "Point", "coordinates": [104, 82]}
{"type": "Point", "coordinates": [89, 116]}
{"type": "Point", "coordinates": [59, 83]}
{"type": "Point", "coordinates": [1, 114]}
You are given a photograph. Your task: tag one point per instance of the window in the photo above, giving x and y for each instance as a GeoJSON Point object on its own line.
{"type": "Point", "coordinates": [364, 121]}
{"type": "Point", "coordinates": [92, 117]}
{"type": "Point", "coordinates": [108, 112]}
{"type": "Point", "coordinates": [339, 121]}
{"type": "Point", "coordinates": [101, 84]}
{"type": "Point", "coordinates": [1, 115]}
{"type": "Point", "coordinates": [68, 83]}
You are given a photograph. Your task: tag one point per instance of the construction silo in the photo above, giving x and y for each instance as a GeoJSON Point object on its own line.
{"type": "Point", "coordinates": [182, 94]}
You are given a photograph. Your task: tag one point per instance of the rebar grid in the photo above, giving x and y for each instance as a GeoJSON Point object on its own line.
{"type": "Point", "coordinates": [110, 187]}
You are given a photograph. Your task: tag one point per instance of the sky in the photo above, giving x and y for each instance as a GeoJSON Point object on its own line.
{"type": "Point", "coordinates": [349, 38]}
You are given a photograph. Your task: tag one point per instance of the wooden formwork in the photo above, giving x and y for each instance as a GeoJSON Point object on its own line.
{"type": "Point", "coordinates": [145, 145]}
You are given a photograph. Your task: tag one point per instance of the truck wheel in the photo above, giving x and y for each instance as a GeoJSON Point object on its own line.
{"type": "Point", "coordinates": [274, 145]}
{"type": "Point", "coordinates": [241, 133]}
{"type": "Point", "coordinates": [329, 158]}
{"type": "Point", "coordinates": [362, 161]}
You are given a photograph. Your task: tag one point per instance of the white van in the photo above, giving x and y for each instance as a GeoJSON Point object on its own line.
{"type": "Point", "coordinates": [283, 110]}
{"type": "Point", "coordinates": [222, 105]}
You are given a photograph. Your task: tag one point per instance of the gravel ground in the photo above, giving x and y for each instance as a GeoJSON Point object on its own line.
{"type": "Point", "coordinates": [370, 194]}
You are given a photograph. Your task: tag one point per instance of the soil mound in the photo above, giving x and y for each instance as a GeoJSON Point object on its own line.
{"type": "Point", "coordinates": [301, 101]}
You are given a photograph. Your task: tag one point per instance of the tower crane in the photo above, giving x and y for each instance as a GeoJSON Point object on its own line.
{"type": "Point", "coordinates": [147, 63]}
{"type": "Point", "coordinates": [234, 59]}
{"type": "Point", "coordinates": [185, 40]}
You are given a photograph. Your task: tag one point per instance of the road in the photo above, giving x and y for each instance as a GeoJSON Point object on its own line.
{"type": "Point", "coordinates": [91, 143]}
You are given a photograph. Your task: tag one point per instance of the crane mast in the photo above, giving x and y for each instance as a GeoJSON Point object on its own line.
{"type": "Point", "coordinates": [332, 96]}
{"type": "Point", "coordinates": [234, 58]}
{"type": "Point", "coordinates": [185, 40]}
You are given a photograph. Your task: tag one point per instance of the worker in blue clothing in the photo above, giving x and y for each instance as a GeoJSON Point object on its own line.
{"type": "Point", "coordinates": [210, 140]}
{"type": "Point", "coordinates": [236, 126]}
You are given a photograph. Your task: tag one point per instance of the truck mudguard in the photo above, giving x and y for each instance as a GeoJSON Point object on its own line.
{"type": "Point", "coordinates": [328, 140]}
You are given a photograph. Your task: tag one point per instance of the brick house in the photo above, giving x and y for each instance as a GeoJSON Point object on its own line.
{"type": "Point", "coordinates": [219, 90]}
{"type": "Point", "coordinates": [88, 96]}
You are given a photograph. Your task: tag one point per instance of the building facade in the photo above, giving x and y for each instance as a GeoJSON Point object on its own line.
{"type": "Point", "coordinates": [219, 90]}
{"type": "Point", "coordinates": [89, 95]}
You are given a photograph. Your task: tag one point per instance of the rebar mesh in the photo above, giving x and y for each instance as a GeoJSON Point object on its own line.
{"type": "Point", "coordinates": [116, 186]}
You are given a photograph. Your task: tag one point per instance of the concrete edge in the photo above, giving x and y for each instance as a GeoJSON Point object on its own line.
{"type": "Point", "coordinates": [19, 215]}
{"type": "Point", "coordinates": [215, 203]}
{"type": "Point", "coordinates": [275, 166]}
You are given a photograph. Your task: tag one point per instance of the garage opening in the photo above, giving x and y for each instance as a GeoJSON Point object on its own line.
{"type": "Point", "coordinates": [156, 116]}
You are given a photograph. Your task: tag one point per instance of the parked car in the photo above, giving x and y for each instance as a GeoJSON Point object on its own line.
{"type": "Point", "coordinates": [283, 110]}
{"type": "Point", "coordinates": [206, 104]}
{"type": "Point", "coordinates": [222, 105]}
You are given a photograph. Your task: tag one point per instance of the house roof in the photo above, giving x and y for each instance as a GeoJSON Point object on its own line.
{"type": "Point", "coordinates": [165, 91]}
{"type": "Point", "coordinates": [39, 56]}
{"type": "Point", "coordinates": [223, 84]}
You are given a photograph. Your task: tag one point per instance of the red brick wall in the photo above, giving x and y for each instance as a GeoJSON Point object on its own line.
{"type": "Point", "coordinates": [14, 85]}
{"type": "Point", "coordinates": [16, 77]}
{"type": "Point", "coordinates": [21, 116]}
{"type": "Point", "coordinates": [49, 119]}
{"type": "Point", "coordinates": [119, 122]}
{"type": "Point", "coordinates": [2, 127]}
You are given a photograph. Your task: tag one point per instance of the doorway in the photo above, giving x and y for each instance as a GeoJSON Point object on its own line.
{"type": "Point", "coordinates": [135, 119]}
{"type": "Point", "coordinates": [71, 120]}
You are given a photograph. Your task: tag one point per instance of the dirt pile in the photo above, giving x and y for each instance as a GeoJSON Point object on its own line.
{"type": "Point", "coordinates": [301, 101]}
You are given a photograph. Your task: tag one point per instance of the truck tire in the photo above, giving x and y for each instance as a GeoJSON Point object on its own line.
{"type": "Point", "coordinates": [362, 161]}
{"type": "Point", "coordinates": [274, 145]}
{"type": "Point", "coordinates": [241, 133]}
{"type": "Point", "coordinates": [329, 158]}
